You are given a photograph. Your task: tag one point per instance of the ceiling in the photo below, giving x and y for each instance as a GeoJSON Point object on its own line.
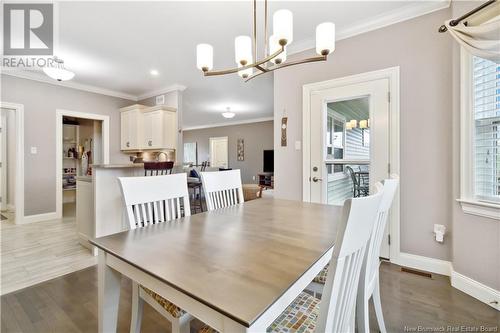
{"type": "Point", "coordinates": [114, 45]}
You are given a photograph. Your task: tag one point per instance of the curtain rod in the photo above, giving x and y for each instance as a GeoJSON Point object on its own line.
{"type": "Point", "coordinates": [466, 15]}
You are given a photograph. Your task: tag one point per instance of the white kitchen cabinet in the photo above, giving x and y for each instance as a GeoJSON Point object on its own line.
{"type": "Point", "coordinates": [131, 127]}
{"type": "Point", "coordinates": [148, 128]}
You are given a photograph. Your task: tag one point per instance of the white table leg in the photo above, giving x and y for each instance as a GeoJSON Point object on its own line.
{"type": "Point", "coordinates": [109, 283]}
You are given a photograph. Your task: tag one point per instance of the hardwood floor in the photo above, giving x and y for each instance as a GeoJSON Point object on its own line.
{"type": "Point", "coordinates": [69, 304]}
{"type": "Point", "coordinates": [36, 252]}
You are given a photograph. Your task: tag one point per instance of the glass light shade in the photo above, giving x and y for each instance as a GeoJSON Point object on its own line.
{"type": "Point", "coordinates": [283, 25]}
{"type": "Point", "coordinates": [245, 72]}
{"type": "Point", "coordinates": [325, 38]}
{"type": "Point", "coordinates": [58, 72]}
{"type": "Point", "coordinates": [274, 46]}
{"type": "Point", "coordinates": [348, 126]}
{"type": "Point", "coordinates": [228, 114]}
{"type": "Point", "coordinates": [204, 57]}
{"type": "Point", "coordinates": [243, 50]}
{"type": "Point", "coordinates": [363, 124]}
{"type": "Point", "coordinates": [354, 123]}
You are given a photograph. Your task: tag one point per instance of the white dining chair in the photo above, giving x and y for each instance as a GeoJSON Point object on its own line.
{"type": "Point", "coordinates": [336, 309]}
{"type": "Point", "coordinates": [222, 188]}
{"type": "Point", "coordinates": [369, 281]}
{"type": "Point", "coordinates": [152, 200]}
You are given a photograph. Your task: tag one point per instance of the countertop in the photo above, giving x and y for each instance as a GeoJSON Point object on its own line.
{"type": "Point", "coordinates": [117, 166]}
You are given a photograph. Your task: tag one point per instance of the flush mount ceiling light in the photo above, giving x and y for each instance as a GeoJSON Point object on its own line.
{"type": "Point", "coordinates": [154, 72]}
{"type": "Point", "coordinates": [57, 71]}
{"type": "Point", "coordinates": [274, 47]}
{"type": "Point", "coordinates": [228, 114]}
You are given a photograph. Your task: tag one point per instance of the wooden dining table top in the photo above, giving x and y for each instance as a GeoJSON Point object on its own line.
{"type": "Point", "coordinates": [237, 260]}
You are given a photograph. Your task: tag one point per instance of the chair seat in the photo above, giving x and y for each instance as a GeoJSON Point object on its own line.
{"type": "Point", "coordinates": [298, 317]}
{"type": "Point", "coordinates": [170, 307]}
{"type": "Point", "coordinates": [321, 277]}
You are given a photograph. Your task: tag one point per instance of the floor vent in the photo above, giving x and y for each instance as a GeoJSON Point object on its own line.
{"type": "Point", "coordinates": [416, 272]}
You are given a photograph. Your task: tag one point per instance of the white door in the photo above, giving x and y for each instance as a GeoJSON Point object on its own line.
{"type": "Point", "coordinates": [349, 143]}
{"type": "Point", "coordinates": [219, 152]}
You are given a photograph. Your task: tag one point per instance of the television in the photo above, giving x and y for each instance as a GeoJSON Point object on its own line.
{"type": "Point", "coordinates": [269, 160]}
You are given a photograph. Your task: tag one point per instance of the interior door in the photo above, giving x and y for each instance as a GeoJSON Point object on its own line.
{"type": "Point", "coordinates": [219, 152]}
{"type": "Point", "coordinates": [349, 143]}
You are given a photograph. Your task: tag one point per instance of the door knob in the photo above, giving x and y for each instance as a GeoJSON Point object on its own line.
{"type": "Point", "coordinates": [316, 179]}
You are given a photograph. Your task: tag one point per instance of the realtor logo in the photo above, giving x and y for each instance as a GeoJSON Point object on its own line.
{"type": "Point", "coordinates": [28, 29]}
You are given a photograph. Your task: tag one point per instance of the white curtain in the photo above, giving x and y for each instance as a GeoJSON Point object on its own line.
{"type": "Point", "coordinates": [481, 35]}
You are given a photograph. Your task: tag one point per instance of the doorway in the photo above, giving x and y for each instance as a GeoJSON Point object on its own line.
{"type": "Point", "coordinates": [351, 141]}
{"type": "Point", "coordinates": [12, 162]}
{"type": "Point", "coordinates": [82, 139]}
{"type": "Point", "coordinates": [219, 155]}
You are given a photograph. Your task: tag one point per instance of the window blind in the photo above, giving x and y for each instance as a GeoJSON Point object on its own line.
{"type": "Point", "coordinates": [486, 107]}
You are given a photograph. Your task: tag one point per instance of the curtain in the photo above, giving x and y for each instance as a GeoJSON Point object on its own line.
{"type": "Point", "coordinates": [479, 37]}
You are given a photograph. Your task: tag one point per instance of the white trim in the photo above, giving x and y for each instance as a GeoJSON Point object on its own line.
{"type": "Point", "coordinates": [476, 289]}
{"type": "Point", "coordinates": [70, 84]}
{"type": "Point", "coordinates": [39, 218]}
{"type": "Point", "coordinates": [405, 13]}
{"type": "Point", "coordinates": [60, 113]}
{"type": "Point", "coordinates": [422, 263]}
{"type": "Point", "coordinates": [392, 74]}
{"type": "Point", "coordinates": [479, 208]}
{"type": "Point", "coordinates": [165, 90]}
{"type": "Point", "coordinates": [231, 123]}
{"type": "Point", "coordinates": [19, 191]}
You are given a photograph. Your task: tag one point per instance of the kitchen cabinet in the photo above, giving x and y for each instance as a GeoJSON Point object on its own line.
{"type": "Point", "coordinates": [148, 128]}
{"type": "Point", "coordinates": [131, 127]}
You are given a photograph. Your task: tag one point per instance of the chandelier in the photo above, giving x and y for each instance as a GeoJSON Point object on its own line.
{"type": "Point", "coordinates": [274, 47]}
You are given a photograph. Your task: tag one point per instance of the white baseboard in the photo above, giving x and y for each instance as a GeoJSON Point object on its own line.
{"type": "Point", "coordinates": [427, 264]}
{"type": "Point", "coordinates": [476, 289]}
{"type": "Point", "coordinates": [38, 218]}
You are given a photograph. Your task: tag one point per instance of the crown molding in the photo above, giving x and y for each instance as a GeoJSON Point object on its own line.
{"type": "Point", "coordinates": [377, 22]}
{"type": "Point", "coordinates": [68, 84]}
{"type": "Point", "coordinates": [165, 90]}
{"type": "Point", "coordinates": [229, 123]}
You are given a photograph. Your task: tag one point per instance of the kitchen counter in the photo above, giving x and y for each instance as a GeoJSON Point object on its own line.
{"type": "Point", "coordinates": [118, 166]}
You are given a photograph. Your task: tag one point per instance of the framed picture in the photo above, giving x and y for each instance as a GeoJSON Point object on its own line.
{"type": "Point", "coordinates": [240, 150]}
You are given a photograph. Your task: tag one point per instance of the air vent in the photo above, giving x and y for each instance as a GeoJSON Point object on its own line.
{"type": "Point", "coordinates": [416, 272]}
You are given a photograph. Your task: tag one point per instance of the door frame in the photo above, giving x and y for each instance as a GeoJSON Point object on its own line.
{"type": "Point", "coordinates": [210, 143]}
{"type": "Point", "coordinates": [19, 160]}
{"type": "Point", "coordinates": [392, 74]}
{"type": "Point", "coordinates": [60, 113]}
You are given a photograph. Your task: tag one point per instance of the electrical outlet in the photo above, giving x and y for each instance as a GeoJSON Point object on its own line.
{"type": "Point", "coordinates": [297, 145]}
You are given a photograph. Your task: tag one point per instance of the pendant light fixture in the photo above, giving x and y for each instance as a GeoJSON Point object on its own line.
{"type": "Point", "coordinates": [228, 114]}
{"type": "Point", "coordinates": [245, 47]}
{"type": "Point", "coordinates": [57, 71]}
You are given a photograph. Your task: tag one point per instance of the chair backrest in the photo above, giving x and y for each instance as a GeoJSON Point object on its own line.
{"type": "Point", "coordinates": [352, 175]}
{"type": "Point", "coordinates": [372, 261]}
{"type": "Point", "coordinates": [204, 165]}
{"type": "Point", "coordinates": [151, 200]}
{"type": "Point", "coordinates": [222, 188]}
{"type": "Point", "coordinates": [158, 168]}
{"type": "Point", "coordinates": [339, 294]}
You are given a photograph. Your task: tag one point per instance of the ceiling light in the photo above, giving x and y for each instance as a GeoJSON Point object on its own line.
{"type": "Point", "coordinates": [57, 71]}
{"type": "Point", "coordinates": [228, 114]}
{"type": "Point", "coordinates": [154, 72]}
{"type": "Point", "coordinates": [245, 47]}
{"type": "Point", "coordinates": [363, 124]}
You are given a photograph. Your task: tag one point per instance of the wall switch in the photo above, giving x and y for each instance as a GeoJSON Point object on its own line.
{"type": "Point", "coordinates": [297, 145]}
{"type": "Point", "coordinates": [253, 178]}
{"type": "Point", "coordinates": [34, 150]}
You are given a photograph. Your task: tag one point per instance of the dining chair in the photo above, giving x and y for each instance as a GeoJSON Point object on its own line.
{"type": "Point", "coordinates": [369, 281]}
{"type": "Point", "coordinates": [336, 309]}
{"type": "Point", "coordinates": [152, 200]}
{"type": "Point", "coordinates": [358, 189]}
{"type": "Point", "coordinates": [158, 168]}
{"type": "Point", "coordinates": [222, 188]}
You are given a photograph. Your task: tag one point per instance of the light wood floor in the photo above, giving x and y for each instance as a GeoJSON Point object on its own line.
{"type": "Point", "coordinates": [36, 252]}
{"type": "Point", "coordinates": [69, 304]}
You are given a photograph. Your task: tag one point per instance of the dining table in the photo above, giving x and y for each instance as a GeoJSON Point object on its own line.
{"type": "Point", "coordinates": [236, 268]}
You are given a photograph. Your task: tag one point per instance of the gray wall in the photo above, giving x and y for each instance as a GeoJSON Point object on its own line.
{"type": "Point", "coordinates": [426, 158]}
{"type": "Point", "coordinates": [476, 240]}
{"type": "Point", "coordinates": [257, 136]}
{"type": "Point", "coordinates": [40, 102]}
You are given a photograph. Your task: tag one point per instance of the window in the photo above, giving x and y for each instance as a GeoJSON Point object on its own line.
{"type": "Point", "coordinates": [480, 131]}
{"type": "Point", "coordinates": [335, 142]}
